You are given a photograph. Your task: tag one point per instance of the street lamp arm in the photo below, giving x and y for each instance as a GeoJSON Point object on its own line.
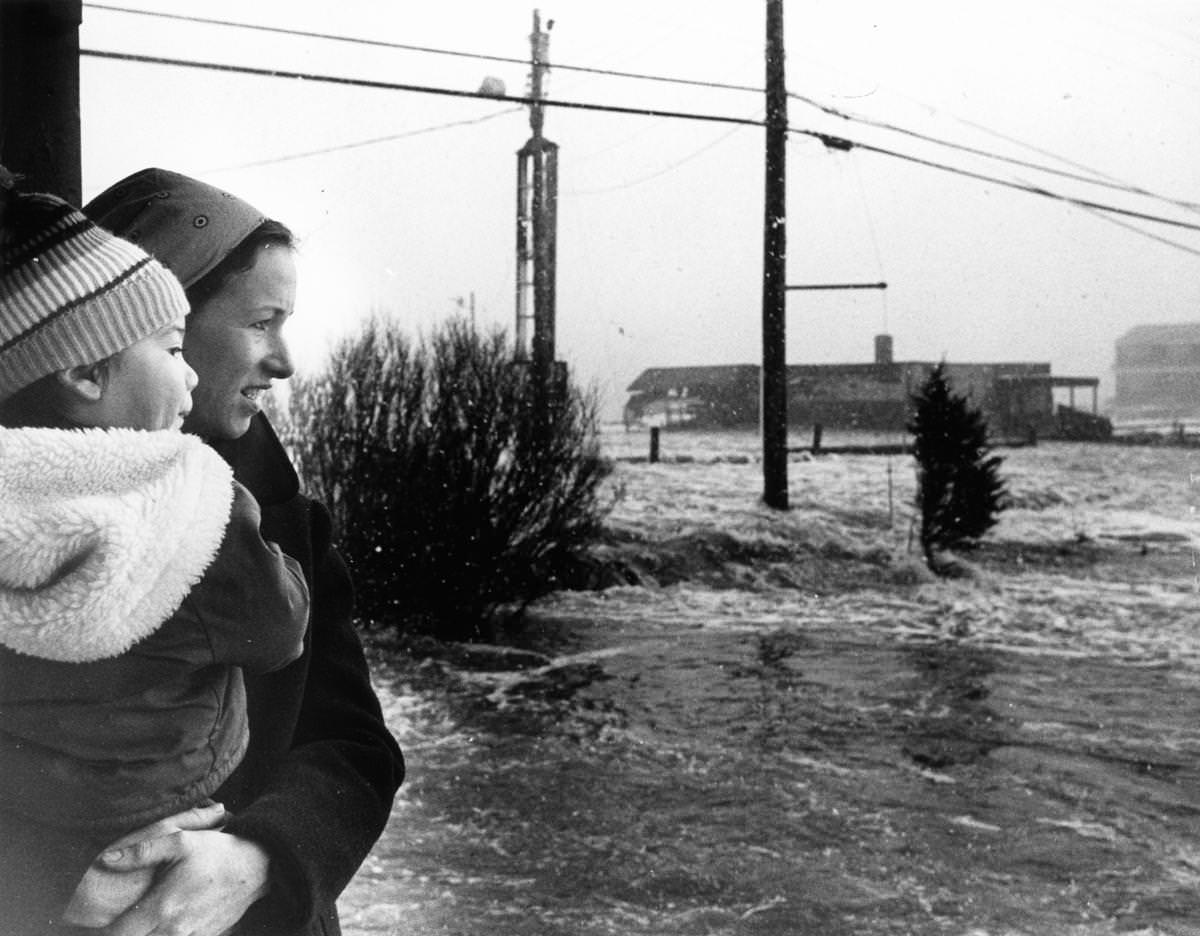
{"type": "Point", "coordinates": [839, 286]}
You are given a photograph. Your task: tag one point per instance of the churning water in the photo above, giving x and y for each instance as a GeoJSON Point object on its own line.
{"type": "Point", "coordinates": [1017, 752]}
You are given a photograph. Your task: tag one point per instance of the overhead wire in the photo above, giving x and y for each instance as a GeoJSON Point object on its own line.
{"type": "Point", "coordinates": [1137, 230]}
{"type": "Point", "coordinates": [402, 86]}
{"type": "Point", "coordinates": [1041, 151]}
{"type": "Point", "coordinates": [653, 32]}
{"type": "Point", "coordinates": [866, 204]}
{"type": "Point", "coordinates": [659, 172]}
{"type": "Point", "coordinates": [1095, 178]}
{"type": "Point", "coordinates": [976, 151]}
{"type": "Point", "coordinates": [302, 33]}
{"type": "Point", "coordinates": [845, 144]}
{"type": "Point", "coordinates": [1105, 216]}
{"type": "Point", "coordinates": [830, 140]}
{"type": "Point", "coordinates": [431, 50]}
{"type": "Point", "coordinates": [342, 147]}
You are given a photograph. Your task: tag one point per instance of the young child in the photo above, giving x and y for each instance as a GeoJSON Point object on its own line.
{"type": "Point", "coordinates": [134, 582]}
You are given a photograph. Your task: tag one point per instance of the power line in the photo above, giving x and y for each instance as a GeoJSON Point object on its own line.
{"type": "Point", "coordinates": [843, 144]}
{"type": "Point", "coordinates": [1104, 216]}
{"type": "Point", "coordinates": [659, 172]}
{"type": "Point", "coordinates": [1094, 173]}
{"type": "Point", "coordinates": [862, 195]}
{"type": "Point", "coordinates": [608, 72]}
{"type": "Point", "coordinates": [341, 147]}
{"type": "Point", "coordinates": [279, 30]}
{"type": "Point", "coordinates": [405, 47]}
{"type": "Point", "coordinates": [399, 86]}
{"type": "Point", "coordinates": [1025, 164]}
{"type": "Point", "coordinates": [833, 142]}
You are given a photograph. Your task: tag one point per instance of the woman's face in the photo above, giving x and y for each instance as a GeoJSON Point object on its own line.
{"type": "Point", "coordinates": [235, 344]}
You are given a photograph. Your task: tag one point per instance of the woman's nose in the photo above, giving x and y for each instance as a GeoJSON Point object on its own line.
{"type": "Point", "coordinates": [279, 359]}
{"type": "Point", "coordinates": [190, 378]}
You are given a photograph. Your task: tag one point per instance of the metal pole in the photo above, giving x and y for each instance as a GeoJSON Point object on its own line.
{"type": "Point", "coordinates": [524, 260]}
{"type": "Point", "coordinates": [774, 332]}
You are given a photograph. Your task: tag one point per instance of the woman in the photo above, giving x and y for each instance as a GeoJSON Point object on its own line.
{"type": "Point", "coordinates": [316, 786]}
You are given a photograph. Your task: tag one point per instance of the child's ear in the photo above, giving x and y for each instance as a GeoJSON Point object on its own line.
{"type": "Point", "coordinates": [85, 381]}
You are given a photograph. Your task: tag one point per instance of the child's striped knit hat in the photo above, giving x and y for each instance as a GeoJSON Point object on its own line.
{"type": "Point", "coordinates": [71, 293]}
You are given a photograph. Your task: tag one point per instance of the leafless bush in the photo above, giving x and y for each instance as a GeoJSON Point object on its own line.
{"type": "Point", "coordinates": [453, 497]}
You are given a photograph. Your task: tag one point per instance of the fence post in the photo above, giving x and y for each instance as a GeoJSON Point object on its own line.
{"type": "Point", "coordinates": [654, 430]}
{"type": "Point", "coordinates": [818, 429]}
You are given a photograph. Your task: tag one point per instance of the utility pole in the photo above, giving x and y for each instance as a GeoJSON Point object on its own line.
{"type": "Point", "coordinates": [537, 222]}
{"type": "Point", "coordinates": [773, 406]}
{"type": "Point", "coordinates": [39, 94]}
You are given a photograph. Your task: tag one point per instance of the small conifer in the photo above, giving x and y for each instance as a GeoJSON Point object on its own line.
{"type": "Point", "coordinates": [960, 493]}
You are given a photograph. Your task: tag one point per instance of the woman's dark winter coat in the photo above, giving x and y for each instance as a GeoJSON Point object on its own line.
{"type": "Point", "coordinates": [316, 786]}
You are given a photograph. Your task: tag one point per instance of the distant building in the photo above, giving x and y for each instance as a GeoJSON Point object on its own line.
{"type": "Point", "coordinates": [1158, 373]}
{"type": "Point", "coordinates": [1015, 398]}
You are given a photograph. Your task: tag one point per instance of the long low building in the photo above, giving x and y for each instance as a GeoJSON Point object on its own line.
{"type": "Point", "coordinates": [1016, 398]}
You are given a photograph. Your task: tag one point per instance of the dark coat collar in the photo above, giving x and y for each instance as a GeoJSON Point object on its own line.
{"type": "Point", "coordinates": [260, 462]}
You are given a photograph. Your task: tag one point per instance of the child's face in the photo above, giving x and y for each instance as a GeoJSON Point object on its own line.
{"type": "Point", "coordinates": [148, 385]}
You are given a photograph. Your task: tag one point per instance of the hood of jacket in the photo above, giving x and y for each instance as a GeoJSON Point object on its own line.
{"type": "Point", "coordinates": [103, 532]}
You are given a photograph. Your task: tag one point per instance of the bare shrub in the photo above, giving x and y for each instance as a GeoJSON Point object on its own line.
{"type": "Point", "coordinates": [453, 498]}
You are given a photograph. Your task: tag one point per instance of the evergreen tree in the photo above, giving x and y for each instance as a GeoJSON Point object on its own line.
{"type": "Point", "coordinates": [960, 493]}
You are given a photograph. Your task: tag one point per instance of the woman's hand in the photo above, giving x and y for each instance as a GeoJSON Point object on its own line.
{"type": "Point", "coordinates": [103, 895]}
{"type": "Point", "coordinates": [204, 883]}
{"type": "Point", "coordinates": [178, 875]}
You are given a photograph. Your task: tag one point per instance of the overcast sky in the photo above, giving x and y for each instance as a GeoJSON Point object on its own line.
{"type": "Point", "coordinates": [660, 220]}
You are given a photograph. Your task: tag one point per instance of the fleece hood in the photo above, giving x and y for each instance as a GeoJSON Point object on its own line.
{"type": "Point", "coordinates": [103, 532]}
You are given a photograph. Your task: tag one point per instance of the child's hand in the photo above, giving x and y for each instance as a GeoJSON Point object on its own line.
{"type": "Point", "coordinates": [103, 894]}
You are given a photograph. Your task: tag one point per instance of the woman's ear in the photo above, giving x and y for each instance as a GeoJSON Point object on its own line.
{"type": "Point", "coordinates": [84, 381]}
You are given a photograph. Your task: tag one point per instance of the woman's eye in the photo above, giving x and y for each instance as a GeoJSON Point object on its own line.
{"type": "Point", "coordinates": [176, 351]}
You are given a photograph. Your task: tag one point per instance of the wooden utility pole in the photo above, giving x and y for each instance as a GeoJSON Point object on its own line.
{"type": "Point", "coordinates": [39, 94]}
{"type": "Point", "coordinates": [773, 406]}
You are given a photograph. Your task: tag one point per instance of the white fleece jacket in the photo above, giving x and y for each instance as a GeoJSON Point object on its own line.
{"type": "Point", "coordinates": [103, 532]}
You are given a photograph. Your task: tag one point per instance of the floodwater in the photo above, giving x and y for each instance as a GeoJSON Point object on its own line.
{"type": "Point", "coordinates": [1018, 753]}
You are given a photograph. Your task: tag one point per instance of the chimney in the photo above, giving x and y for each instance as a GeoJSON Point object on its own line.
{"type": "Point", "coordinates": [883, 349]}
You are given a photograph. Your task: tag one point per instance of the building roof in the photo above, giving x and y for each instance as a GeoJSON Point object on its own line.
{"type": "Point", "coordinates": [659, 380]}
{"type": "Point", "coordinates": [1168, 333]}
{"type": "Point", "coordinates": [1052, 380]}
{"type": "Point", "coordinates": [662, 379]}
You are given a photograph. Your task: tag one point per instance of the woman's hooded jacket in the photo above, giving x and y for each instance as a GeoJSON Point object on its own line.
{"type": "Point", "coordinates": [317, 783]}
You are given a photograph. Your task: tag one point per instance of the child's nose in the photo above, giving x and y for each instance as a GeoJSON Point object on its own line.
{"type": "Point", "coordinates": [190, 378]}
